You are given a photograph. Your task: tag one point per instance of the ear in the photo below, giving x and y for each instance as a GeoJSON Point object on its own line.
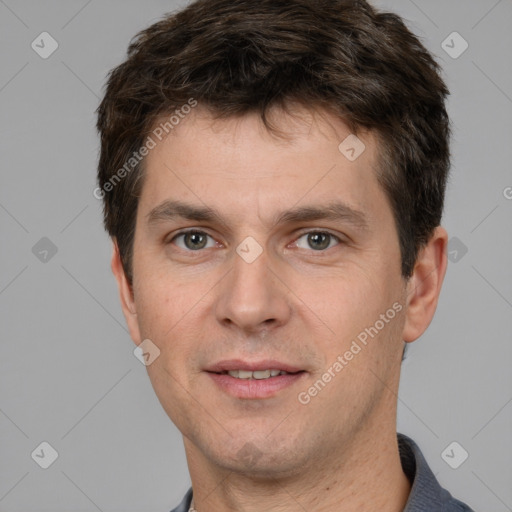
{"type": "Point", "coordinates": [125, 294]}
{"type": "Point", "coordinates": [424, 286]}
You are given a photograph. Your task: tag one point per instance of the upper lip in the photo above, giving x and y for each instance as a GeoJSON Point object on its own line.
{"type": "Point", "coordinates": [238, 364]}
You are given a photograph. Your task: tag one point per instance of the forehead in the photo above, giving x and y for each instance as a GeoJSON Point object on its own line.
{"type": "Point", "coordinates": [238, 165]}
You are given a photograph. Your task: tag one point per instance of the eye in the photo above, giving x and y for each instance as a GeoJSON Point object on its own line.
{"type": "Point", "coordinates": [193, 240]}
{"type": "Point", "coordinates": [317, 240]}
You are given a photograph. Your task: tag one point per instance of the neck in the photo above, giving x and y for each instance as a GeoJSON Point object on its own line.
{"type": "Point", "coordinates": [367, 476]}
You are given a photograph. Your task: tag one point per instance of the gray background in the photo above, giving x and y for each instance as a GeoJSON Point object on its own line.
{"type": "Point", "coordinates": [68, 373]}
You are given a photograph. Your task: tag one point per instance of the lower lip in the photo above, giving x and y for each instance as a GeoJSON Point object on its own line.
{"type": "Point", "coordinates": [255, 388]}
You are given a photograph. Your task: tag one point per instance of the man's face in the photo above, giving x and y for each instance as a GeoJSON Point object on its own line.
{"type": "Point", "coordinates": [211, 302]}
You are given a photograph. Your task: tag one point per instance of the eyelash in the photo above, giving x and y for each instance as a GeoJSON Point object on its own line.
{"type": "Point", "coordinates": [316, 231]}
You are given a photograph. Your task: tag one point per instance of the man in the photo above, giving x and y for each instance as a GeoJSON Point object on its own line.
{"type": "Point", "coordinates": [273, 175]}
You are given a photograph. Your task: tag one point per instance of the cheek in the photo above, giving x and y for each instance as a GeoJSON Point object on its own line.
{"type": "Point", "coordinates": [353, 305]}
{"type": "Point", "coordinates": [168, 310]}
{"type": "Point", "coordinates": [356, 296]}
{"type": "Point", "coordinates": [159, 302]}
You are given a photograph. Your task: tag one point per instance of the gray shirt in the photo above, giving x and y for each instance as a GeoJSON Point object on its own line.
{"type": "Point", "coordinates": [426, 493]}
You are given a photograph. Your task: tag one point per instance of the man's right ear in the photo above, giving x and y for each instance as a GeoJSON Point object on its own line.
{"type": "Point", "coordinates": [125, 294]}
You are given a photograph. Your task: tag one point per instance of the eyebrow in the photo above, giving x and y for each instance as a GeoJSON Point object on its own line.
{"type": "Point", "coordinates": [333, 211]}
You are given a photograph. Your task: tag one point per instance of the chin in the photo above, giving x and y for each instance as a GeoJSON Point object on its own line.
{"type": "Point", "coordinates": [265, 470]}
{"type": "Point", "coordinates": [263, 462]}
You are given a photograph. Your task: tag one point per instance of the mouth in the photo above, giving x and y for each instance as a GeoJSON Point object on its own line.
{"type": "Point", "coordinates": [256, 380]}
{"type": "Point", "coordinates": [257, 374]}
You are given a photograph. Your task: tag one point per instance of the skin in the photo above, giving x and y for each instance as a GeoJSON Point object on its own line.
{"type": "Point", "coordinates": [294, 303]}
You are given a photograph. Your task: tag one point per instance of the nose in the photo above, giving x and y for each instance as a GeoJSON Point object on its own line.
{"type": "Point", "coordinates": [252, 297]}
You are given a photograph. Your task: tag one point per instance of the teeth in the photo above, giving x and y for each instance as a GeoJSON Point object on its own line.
{"type": "Point", "coordinates": [259, 374]}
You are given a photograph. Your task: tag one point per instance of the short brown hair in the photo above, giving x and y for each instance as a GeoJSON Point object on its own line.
{"type": "Point", "coordinates": [236, 57]}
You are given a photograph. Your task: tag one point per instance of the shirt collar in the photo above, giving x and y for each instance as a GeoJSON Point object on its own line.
{"type": "Point", "coordinates": [425, 489]}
